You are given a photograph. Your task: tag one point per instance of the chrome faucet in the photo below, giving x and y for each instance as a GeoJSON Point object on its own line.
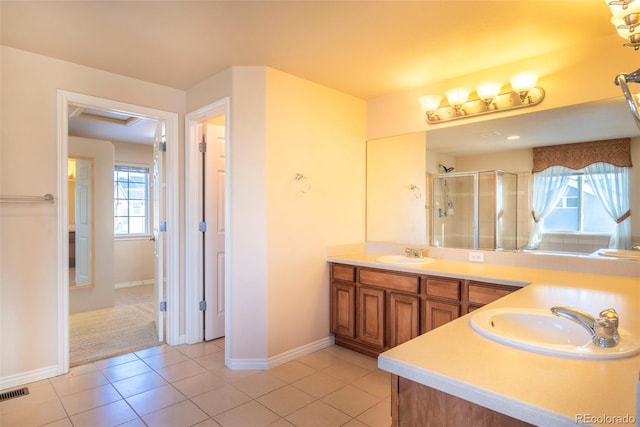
{"type": "Point", "coordinates": [603, 330]}
{"type": "Point", "coordinates": [414, 253]}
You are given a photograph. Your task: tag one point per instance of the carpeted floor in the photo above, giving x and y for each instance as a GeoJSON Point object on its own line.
{"type": "Point", "coordinates": [126, 327]}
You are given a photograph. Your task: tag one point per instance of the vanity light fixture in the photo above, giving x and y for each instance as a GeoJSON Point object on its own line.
{"type": "Point", "coordinates": [626, 19]}
{"type": "Point", "coordinates": [457, 97]}
{"type": "Point", "coordinates": [487, 98]}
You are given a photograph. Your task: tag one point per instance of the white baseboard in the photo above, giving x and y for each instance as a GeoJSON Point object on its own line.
{"type": "Point", "coordinates": [132, 284]}
{"type": "Point", "coordinates": [287, 356]}
{"type": "Point", "coordinates": [28, 377]}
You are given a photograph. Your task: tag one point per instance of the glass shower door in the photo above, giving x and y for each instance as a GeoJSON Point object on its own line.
{"type": "Point", "coordinates": [453, 210]}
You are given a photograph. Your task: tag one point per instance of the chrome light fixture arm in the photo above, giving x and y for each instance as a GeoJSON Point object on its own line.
{"type": "Point", "coordinates": [622, 80]}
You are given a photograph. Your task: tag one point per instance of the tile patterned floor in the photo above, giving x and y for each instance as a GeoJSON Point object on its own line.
{"type": "Point", "coordinates": [190, 386]}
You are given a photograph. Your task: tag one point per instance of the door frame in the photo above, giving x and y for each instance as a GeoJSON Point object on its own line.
{"type": "Point", "coordinates": [193, 216]}
{"type": "Point", "coordinates": [64, 98]}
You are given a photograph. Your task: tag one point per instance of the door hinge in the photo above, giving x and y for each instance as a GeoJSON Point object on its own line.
{"type": "Point", "coordinates": [163, 226]}
{"type": "Point", "coordinates": [203, 306]}
{"type": "Point", "coordinates": [202, 226]}
{"type": "Point", "coordinates": [163, 146]}
{"type": "Point", "coordinates": [203, 147]}
{"type": "Point", "coordinates": [163, 306]}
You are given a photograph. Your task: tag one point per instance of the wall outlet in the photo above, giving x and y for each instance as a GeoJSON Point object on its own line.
{"type": "Point", "coordinates": [476, 256]}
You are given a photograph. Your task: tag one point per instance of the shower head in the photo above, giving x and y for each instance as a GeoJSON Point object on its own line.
{"type": "Point", "coordinates": [446, 169]}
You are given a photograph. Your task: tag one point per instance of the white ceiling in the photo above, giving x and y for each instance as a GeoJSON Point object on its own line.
{"type": "Point", "coordinates": [364, 48]}
{"type": "Point", "coordinates": [90, 123]}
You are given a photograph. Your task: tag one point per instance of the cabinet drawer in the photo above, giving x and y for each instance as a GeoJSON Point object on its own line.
{"type": "Point", "coordinates": [344, 272]}
{"type": "Point", "coordinates": [484, 294]}
{"type": "Point", "coordinates": [444, 288]}
{"type": "Point", "coordinates": [390, 281]}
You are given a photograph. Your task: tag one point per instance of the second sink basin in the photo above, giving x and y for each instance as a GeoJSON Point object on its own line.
{"type": "Point", "coordinates": [403, 260]}
{"type": "Point", "coordinates": [620, 254]}
{"type": "Point", "coordinates": [538, 330]}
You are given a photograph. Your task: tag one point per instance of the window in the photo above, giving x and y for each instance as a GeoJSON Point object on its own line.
{"type": "Point", "coordinates": [579, 210]}
{"type": "Point", "coordinates": [130, 201]}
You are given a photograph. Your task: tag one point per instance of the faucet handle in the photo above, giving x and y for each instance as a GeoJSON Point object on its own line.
{"type": "Point", "coordinates": [611, 315]}
{"type": "Point", "coordinates": [606, 332]}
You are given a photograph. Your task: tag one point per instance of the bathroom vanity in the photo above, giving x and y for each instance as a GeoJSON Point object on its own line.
{"type": "Point", "coordinates": [451, 374]}
{"type": "Point", "coordinates": [374, 309]}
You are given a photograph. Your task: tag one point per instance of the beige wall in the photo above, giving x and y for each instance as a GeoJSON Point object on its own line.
{"type": "Point", "coordinates": [320, 133]}
{"type": "Point", "coordinates": [100, 295]}
{"type": "Point", "coordinates": [29, 166]}
{"type": "Point", "coordinates": [570, 76]}
{"type": "Point", "coordinates": [282, 125]}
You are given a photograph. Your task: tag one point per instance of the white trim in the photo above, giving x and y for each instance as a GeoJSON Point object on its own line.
{"type": "Point", "coordinates": [171, 120]}
{"type": "Point", "coordinates": [193, 238]}
{"type": "Point", "coordinates": [304, 350]}
{"type": "Point", "coordinates": [287, 356]}
{"type": "Point", "coordinates": [63, 233]}
{"type": "Point", "coordinates": [28, 377]}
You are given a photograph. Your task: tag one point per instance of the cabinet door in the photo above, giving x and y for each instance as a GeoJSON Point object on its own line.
{"type": "Point", "coordinates": [438, 313]}
{"type": "Point", "coordinates": [343, 309]}
{"type": "Point", "coordinates": [371, 316]}
{"type": "Point", "coordinates": [404, 321]}
{"type": "Point", "coordinates": [484, 293]}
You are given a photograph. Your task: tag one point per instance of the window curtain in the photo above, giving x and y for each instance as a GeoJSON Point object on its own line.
{"type": "Point", "coordinates": [611, 184]}
{"type": "Point", "coordinates": [549, 185]}
{"type": "Point", "coordinates": [606, 165]}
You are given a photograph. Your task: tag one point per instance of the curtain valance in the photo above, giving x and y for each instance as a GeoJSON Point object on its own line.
{"type": "Point", "coordinates": [580, 155]}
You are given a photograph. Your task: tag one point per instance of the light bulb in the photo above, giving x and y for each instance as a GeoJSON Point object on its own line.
{"type": "Point", "coordinates": [488, 89]}
{"type": "Point", "coordinates": [457, 96]}
{"type": "Point", "coordinates": [619, 11]}
{"type": "Point", "coordinates": [430, 102]}
{"type": "Point", "coordinates": [523, 82]}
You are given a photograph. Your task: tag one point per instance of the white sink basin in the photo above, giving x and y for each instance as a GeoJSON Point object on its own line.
{"type": "Point", "coordinates": [620, 254]}
{"type": "Point", "coordinates": [403, 260]}
{"type": "Point", "coordinates": [538, 330]}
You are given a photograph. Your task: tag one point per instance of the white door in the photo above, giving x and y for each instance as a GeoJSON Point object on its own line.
{"type": "Point", "coordinates": [213, 246]}
{"type": "Point", "coordinates": [158, 227]}
{"type": "Point", "coordinates": [84, 223]}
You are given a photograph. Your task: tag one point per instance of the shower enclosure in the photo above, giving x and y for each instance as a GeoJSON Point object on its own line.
{"type": "Point", "coordinates": [474, 210]}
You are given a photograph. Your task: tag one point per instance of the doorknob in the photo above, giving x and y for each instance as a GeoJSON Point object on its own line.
{"type": "Point", "coordinates": [152, 238]}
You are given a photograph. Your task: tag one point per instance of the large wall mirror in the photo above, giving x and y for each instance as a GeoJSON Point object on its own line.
{"type": "Point", "coordinates": [80, 221]}
{"type": "Point", "coordinates": [458, 159]}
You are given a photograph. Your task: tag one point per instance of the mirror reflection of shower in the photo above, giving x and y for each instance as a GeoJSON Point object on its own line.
{"type": "Point", "coordinates": [485, 210]}
{"type": "Point", "coordinates": [448, 210]}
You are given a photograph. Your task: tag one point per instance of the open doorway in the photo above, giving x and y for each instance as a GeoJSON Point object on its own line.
{"type": "Point", "coordinates": [127, 182]}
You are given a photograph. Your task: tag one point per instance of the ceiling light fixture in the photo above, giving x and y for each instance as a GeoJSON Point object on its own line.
{"type": "Point", "coordinates": [487, 99]}
{"type": "Point", "coordinates": [626, 19]}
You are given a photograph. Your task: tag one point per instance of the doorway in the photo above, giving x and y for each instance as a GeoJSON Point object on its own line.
{"type": "Point", "coordinates": [207, 240]}
{"type": "Point", "coordinates": [165, 226]}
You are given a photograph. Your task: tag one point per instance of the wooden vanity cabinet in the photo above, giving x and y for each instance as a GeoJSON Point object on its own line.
{"type": "Point", "coordinates": [343, 300]}
{"type": "Point", "coordinates": [480, 293]}
{"type": "Point", "coordinates": [414, 404]}
{"type": "Point", "coordinates": [373, 309]}
{"type": "Point", "coordinates": [370, 317]}
{"type": "Point", "coordinates": [404, 317]}
{"type": "Point", "coordinates": [440, 302]}
{"type": "Point", "coordinates": [384, 307]}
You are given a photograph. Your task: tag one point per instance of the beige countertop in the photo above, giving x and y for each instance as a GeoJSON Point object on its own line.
{"type": "Point", "coordinates": [540, 389]}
